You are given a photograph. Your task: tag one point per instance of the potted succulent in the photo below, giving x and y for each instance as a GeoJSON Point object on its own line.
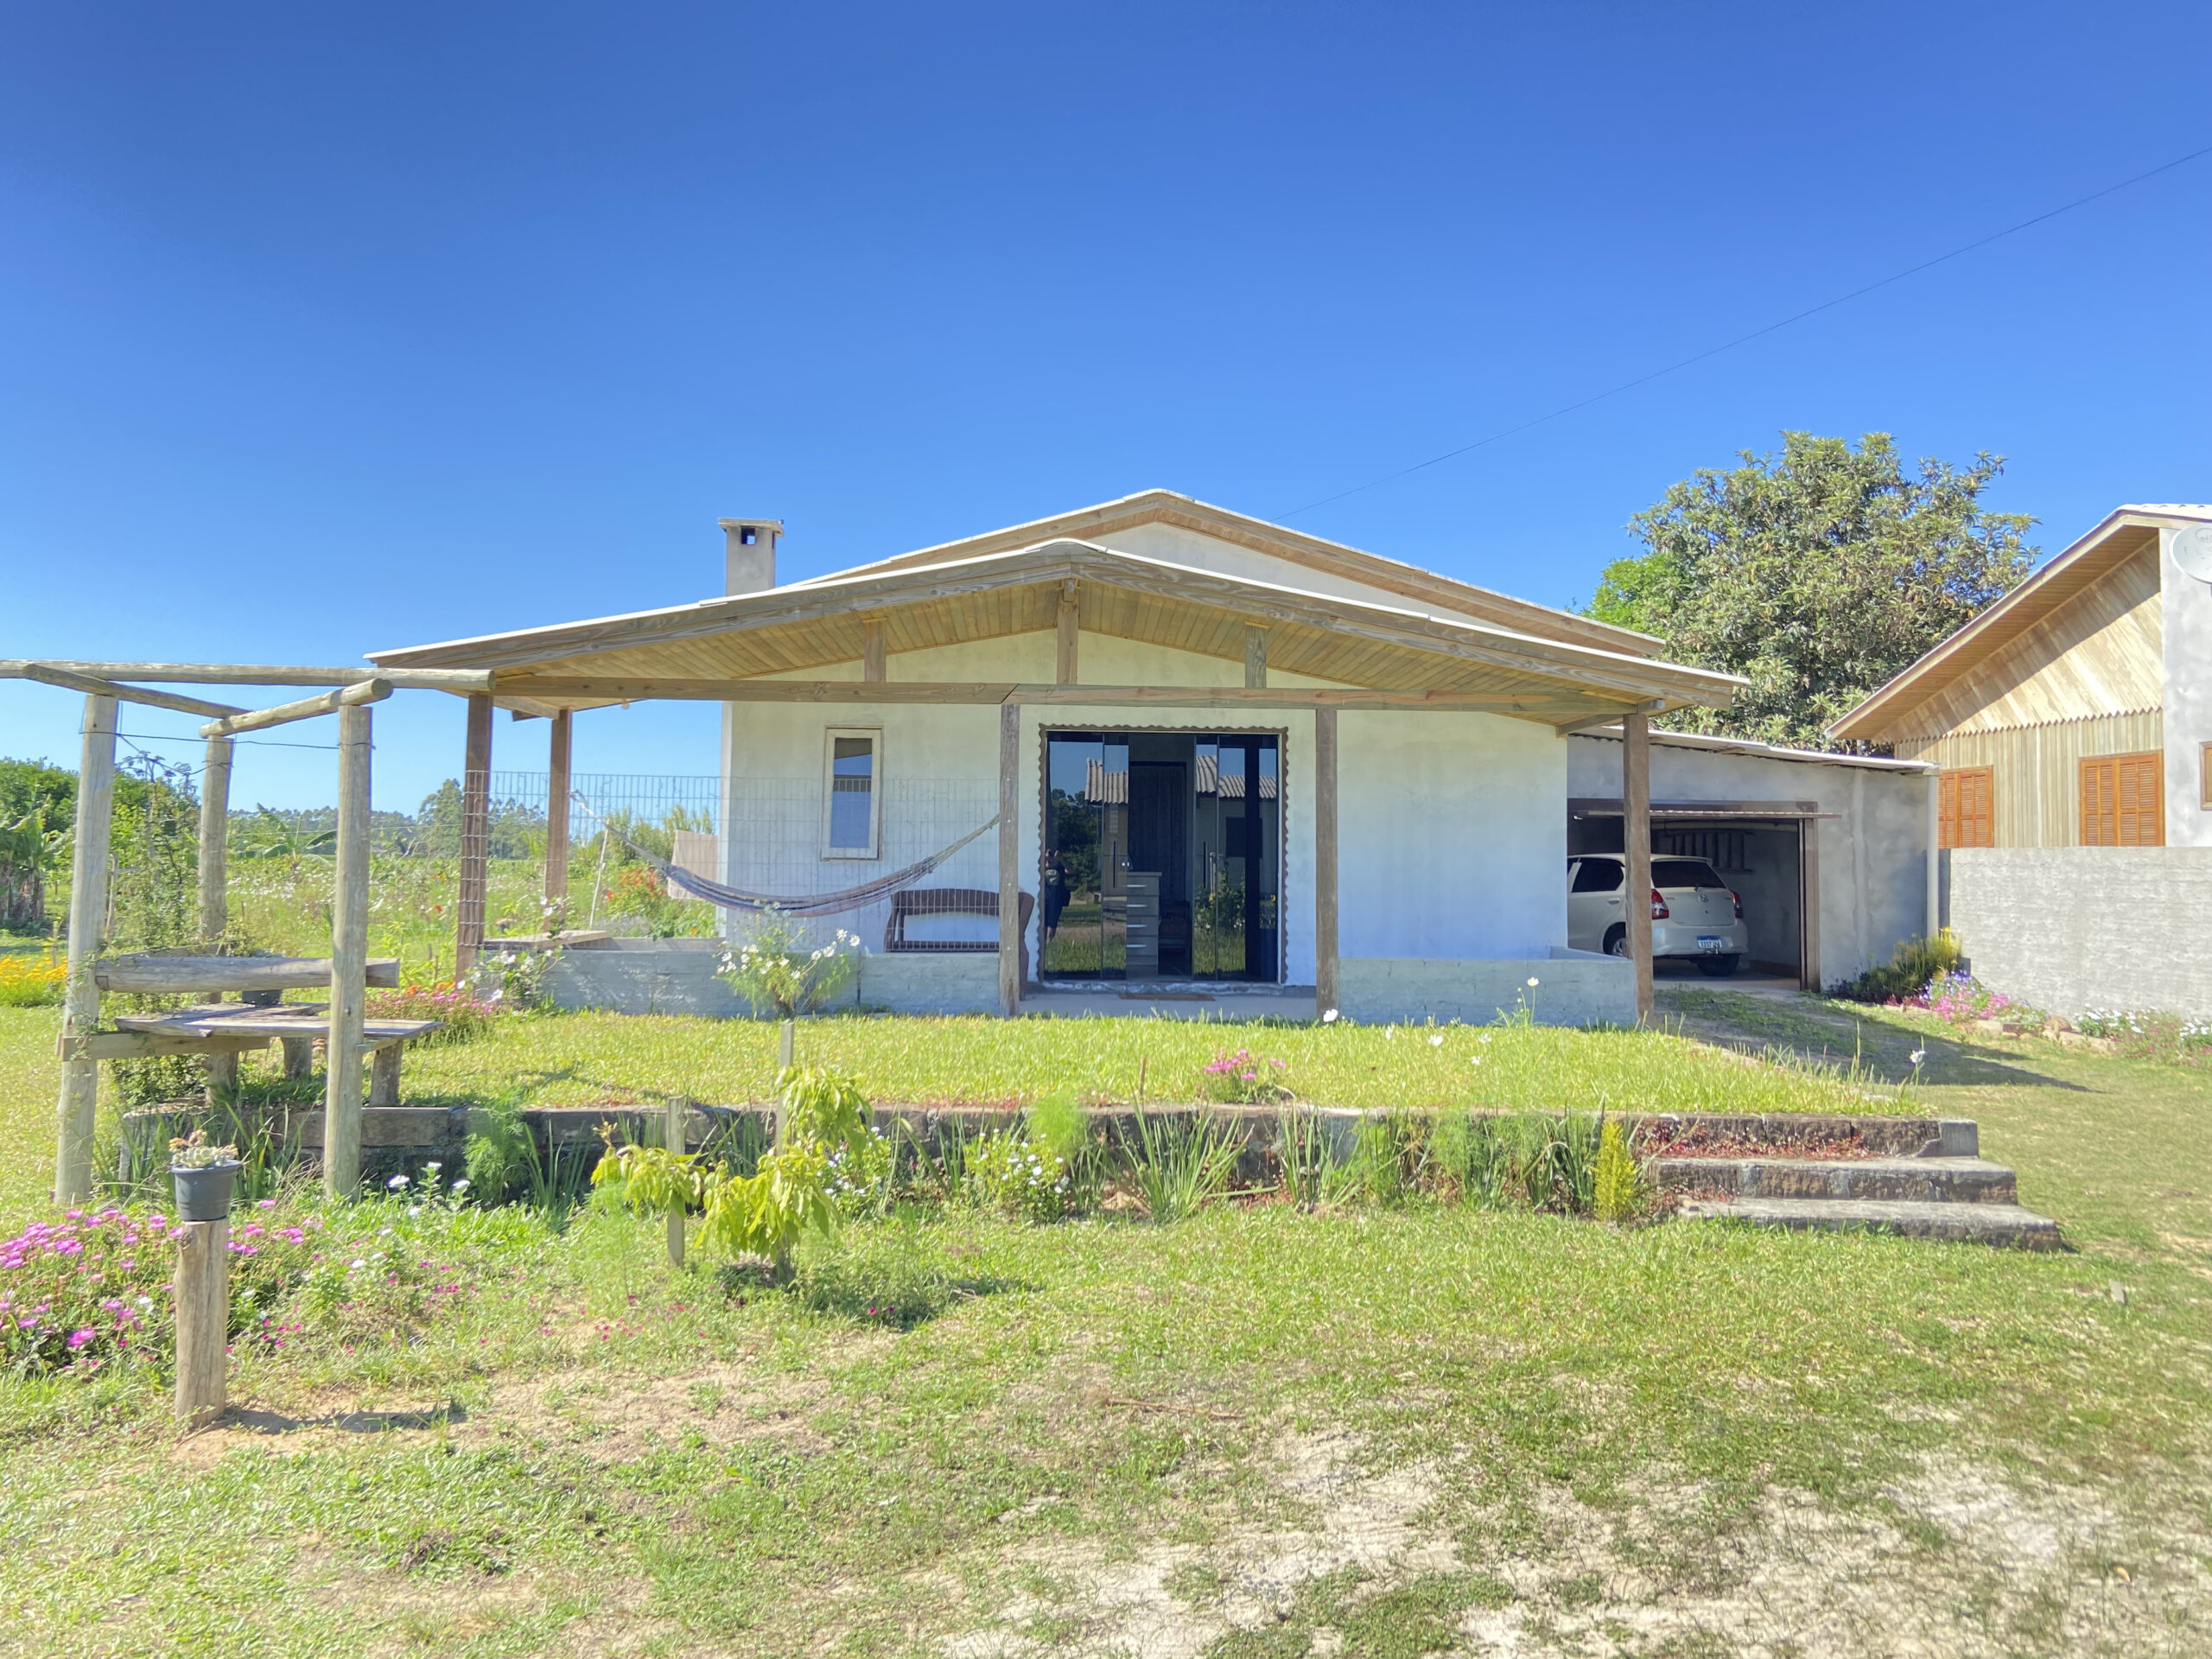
{"type": "Point", "coordinates": [203, 1175]}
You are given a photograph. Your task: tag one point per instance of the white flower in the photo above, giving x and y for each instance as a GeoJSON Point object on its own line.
{"type": "Point", "coordinates": [386, 1233]}
{"type": "Point", "coordinates": [432, 1169]}
{"type": "Point", "coordinates": [1532, 982]}
{"type": "Point", "coordinates": [1436, 1041]}
{"type": "Point", "coordinates": [1918, 1055]}
{"type": "Point", "coordinates": [1475, 1060]}
{"type": "Point", "coordinates": [414, 1210]}
{"type": "Point", "coordinates": [1390, 1033]}
{"type": "Point", "coordinates": [396, 1182]}
{"type": "Point", "coordinates": [145, 1301]}
{"type": "Point", "coordinates": [1329, 1018]}
{"type": "Point", "coordinates": [1484, 1038]}
{"type": "Point", "coordinates": [357, 1262]}
{"type": "Point", "coordinates": [461, 1185]}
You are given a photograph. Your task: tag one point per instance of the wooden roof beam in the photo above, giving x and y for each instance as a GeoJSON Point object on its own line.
{"type": "Point", "coordinates": [94, 685]}
{"type": "Point", "coordinates": [459, 681]}
{"type": "Point", "coordinates": [329, 703]}
{"type": "Point", "coordinates": [1542, 703]}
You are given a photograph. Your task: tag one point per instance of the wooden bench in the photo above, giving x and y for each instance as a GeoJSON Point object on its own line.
{"type": "Point", "coordinates": [223, 1031]}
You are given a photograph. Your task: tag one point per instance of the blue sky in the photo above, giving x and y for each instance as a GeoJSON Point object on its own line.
{"type": "Point", "coordinates": [329, 328]}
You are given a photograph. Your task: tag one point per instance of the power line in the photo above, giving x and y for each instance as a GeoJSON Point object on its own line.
{"type": "Point", "coordinates": [1756, 333]}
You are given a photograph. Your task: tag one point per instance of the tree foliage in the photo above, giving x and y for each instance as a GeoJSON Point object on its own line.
{"type": "Point", "coordinates": [1817, 574]}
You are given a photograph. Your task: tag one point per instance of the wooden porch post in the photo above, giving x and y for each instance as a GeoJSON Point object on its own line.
{"type": "Point", "coordinates": [349, 961]}
{"type": "Point", "coordinates": [1009, 858]}
{"type": "Point", "coordinates": [557, 785]}
{"type": "Point", "coordinates": [1326, 990]}
{"type": "Point", "coordinates": [214, 840]}
{"type": "Point", "coordinates": [1255, 658]}
{"type": "Point", "coordinates": [1070, 621]}
{"type": "Point", "coordinates": [475, 833]}
{"type": "Point", "coordinates": [874, 663]}
{"type": "Point", "coordinates": [80, 1009]}
{"type": "Point", "coordinates": [1636, 842]}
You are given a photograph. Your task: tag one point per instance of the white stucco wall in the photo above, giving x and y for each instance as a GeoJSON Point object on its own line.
{"type": "Point", "coordinates": [1452, 837]}
{"type": "Point", "coordinates": [2188, 624]}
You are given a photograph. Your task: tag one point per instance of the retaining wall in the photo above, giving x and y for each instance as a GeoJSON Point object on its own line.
{"type": "Point", "coordinates": [2069, 929]}
{"type": "Point", "coordinates": [680, 977]}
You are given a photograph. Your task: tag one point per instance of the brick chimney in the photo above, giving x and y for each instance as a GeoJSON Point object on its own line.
{"type": "Point", "coordinates": [749, 555]}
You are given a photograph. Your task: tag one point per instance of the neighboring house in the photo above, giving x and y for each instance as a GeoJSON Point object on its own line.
{"type": "Point", "coordinates": [2077, 710]}
{"type": "Point", "coordinates": [2072, 723]}
{"type": "Point", "coordinates": [1179, 719]}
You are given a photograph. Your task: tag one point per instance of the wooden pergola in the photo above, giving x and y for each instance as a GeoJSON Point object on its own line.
{"type": "Point", "coordinates": [1575, 676]}
{"type": "Point", "coordinates": [82, 1045]}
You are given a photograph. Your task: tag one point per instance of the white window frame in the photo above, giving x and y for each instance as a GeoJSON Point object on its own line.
{"type": "Point", "coordinates": [874, 736]}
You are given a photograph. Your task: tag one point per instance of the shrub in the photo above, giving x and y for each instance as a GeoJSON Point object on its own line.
{"type": "Point", "coordinates": [1522, 1160]}
{"type": "Point", "coordinates": [462, 1016]}
{"type": "Point", "coordinates": [1023, 1178]}
{"type": "Point", "coordinates": [1183, 1162]}
{"type": "Point", "coordinates": [1618, 1190]}
{"type": "Point", "coordinates": [2168, 1038]}
{"type": "Point", "coordinates": [32, 982]}
{"type": "Point", "coordinates": [862, 1177]}
{"type": "Point", "coordinates": [780, 971]}
{"type": "Point", "coordinates": [1915, 964]}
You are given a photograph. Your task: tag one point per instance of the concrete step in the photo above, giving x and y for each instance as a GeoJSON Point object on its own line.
{"type": "Point", "coordinates": [1913, 1180]}
{"type": "Point", "coordinates": [1973, 1223]}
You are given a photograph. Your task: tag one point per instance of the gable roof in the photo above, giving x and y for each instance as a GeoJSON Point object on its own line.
{"type": "Point", "coordinates": [2120, 537]}
{"type": "Point", "coordinates": [692, 650]}
{"type": "Point", "coordinates": [1426, 587]}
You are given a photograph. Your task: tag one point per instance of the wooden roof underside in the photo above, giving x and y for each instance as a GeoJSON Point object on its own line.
{"type": "Point", "coordinates": [787, 631]}
{"type": "Point", "coordinates": [2006, 667]}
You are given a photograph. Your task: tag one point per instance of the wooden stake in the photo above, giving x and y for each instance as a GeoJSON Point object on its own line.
{"type": "Point", "coordinates": [81, 1011]}
{"type": "Point", "coordinates": [557, 787]}
{"type": "Point", "coordinates": [1009, 858]}
{"type": "Point", "coordinates": [215, 840]}
{"type": "Point", "coordinates": [475, 833]}
{"type": "Point", "coordinates": [1326, 995]}
{"type": "Point", "coordinates": [1636, 831]}
{"type": "Point", "coordinates": [674, 1137]}
{"type": "Point", "coordinates": [349, 961]}
{"type": "Point", "coordinates": [203, 1320]}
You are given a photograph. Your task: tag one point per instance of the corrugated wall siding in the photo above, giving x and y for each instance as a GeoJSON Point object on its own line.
{"type": "Point", "coordinates": [2037, 768]}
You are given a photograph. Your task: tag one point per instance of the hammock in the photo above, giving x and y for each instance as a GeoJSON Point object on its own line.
{"type": "Point", "coordinates": [813, 904]}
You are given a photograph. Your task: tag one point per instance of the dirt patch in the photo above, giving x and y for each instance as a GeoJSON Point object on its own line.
{"type": "Point", "coordinates": [1958, 1561]}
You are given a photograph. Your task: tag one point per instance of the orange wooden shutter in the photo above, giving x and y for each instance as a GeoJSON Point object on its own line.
{"type": "Point", "coordinates": [1963, 808]}
{"type": "Point", "coordinates": [2123, 801]}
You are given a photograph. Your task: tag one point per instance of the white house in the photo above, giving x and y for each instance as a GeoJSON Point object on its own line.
{"type": "Point", "coordinates": [1214, 757]}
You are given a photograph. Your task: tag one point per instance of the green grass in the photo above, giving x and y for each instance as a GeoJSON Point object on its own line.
{"type": "Point", "coordinates": [638, 1461]}
{"type": "Point", "coordinates": [579, 1058]}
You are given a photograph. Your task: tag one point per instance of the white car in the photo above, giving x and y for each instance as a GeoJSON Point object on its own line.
{"type": "Point", "coordinates": [1693, 912]}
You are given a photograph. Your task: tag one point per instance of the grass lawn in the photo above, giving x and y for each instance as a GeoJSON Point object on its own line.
{"type": "Point", "coordinates": [1259, 1431]}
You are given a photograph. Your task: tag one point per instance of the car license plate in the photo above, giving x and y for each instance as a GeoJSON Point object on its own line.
{"type": "Point", "coordinates": [1710, 946]}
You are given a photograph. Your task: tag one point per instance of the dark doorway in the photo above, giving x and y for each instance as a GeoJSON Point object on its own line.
{"type": "Point", "coordinates": [1162, 856]}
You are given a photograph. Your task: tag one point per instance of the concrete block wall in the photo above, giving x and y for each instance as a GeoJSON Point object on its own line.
{"type": "Point", "coordinates": [2069, 929]}
{"type": "Point", "coordinates": [1574, 988]}
{"type": "Point", "coordinates": [681, 976]}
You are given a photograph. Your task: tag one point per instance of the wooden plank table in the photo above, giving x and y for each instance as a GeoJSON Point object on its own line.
{"type": "Point", "coordinates": [230, 1027]}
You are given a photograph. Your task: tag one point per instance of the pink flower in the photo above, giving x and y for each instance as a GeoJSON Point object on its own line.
{"type": "Point", "coordinates": [78, 1338]}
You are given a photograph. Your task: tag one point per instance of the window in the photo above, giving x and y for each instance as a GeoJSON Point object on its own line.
{"type": "Point", "coordinates": [852, 813]}
{"type": "Point", "coordinates": [2123, 801]}
{"type": "Point", "coordinates": [1964, 816]}
{"type": "Point", "coordinates": [1597, 875]}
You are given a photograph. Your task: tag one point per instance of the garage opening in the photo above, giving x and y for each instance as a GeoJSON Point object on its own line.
{"type": "Point", "coordinates": [1761, 850]}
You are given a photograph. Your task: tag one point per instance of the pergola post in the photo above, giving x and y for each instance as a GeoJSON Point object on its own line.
{"type": "Point", "coordinates": [214, 840]}
{"type": "Point", "coordinates": [475, 837]}
{"type": "Point", "coordinates": [1255, 659]}
{"type": "Point", "coordinates": [1326, 990]}
{"type": "Point", "coordinates": [349, 961]}
{"type": "Point", "coordinates": [80, 1009]}
{"type": "Point", "coordinates": [1635, 843]}
{"type": "Point", "coordinates": [1065, 663]}
{"type": "Point", "coordinates": [1009, 858]}
{"type": "Point", "coordinates": [557, 787]}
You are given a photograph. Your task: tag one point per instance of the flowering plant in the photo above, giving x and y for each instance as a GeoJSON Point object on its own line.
{"type": "Point", "coordinates": [1242, 1078]}
{"type": "Point", "coordinates": [1026, 1179]}
{"type": "Point", "coordinates": [32, 982]}
{"type": "Point", "coordinates": [460, 1013]}
{"type": "Point", "coordinates": [1960, 997]}
{"type": "Point", "coordinates": [780, 971]}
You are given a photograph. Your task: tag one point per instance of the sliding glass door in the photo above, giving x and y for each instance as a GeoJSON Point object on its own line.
{"type": "Point", "coordinates": [1162, 856]}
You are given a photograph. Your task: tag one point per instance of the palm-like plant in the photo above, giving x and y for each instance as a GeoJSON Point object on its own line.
{"type": "Point", "coordinates": [273, 836]}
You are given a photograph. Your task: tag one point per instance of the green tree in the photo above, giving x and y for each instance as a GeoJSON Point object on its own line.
{"type": "Point", "coordinates": [1817, 574]}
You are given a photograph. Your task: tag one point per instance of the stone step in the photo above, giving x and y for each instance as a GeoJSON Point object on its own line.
{"type": "Point", "coordinates": [1916, 1180]}
{"type": "Point", "coordinates": [1972, 1224]}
